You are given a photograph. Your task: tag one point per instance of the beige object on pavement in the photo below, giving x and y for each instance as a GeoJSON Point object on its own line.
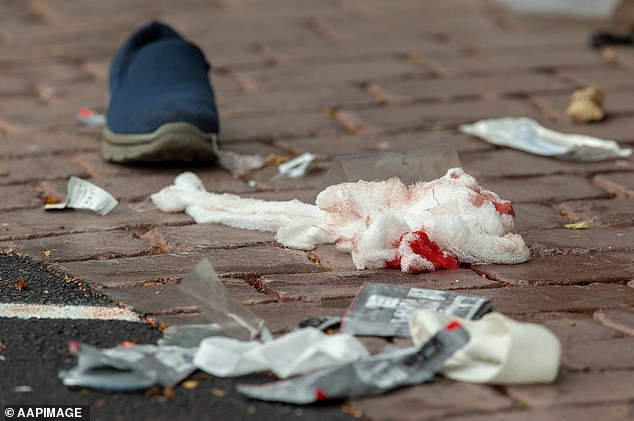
{"type": "Point", "coordinates": [586, 105]}
{"type": "Point", "coordinates": [500, 351]}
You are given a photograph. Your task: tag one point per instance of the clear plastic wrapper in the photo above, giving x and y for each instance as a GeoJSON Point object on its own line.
{"type": "Point", "coordinates": [384, 309]}
{"type": "Point", "coordinates": [189, 336]}
{"type": "Point", "coordinates": [529, 136]}
{"type": "Point", "coordinates": [82, 194]}
{"type": "Point", "coordinates": [410, 167]}
{"type": "Point", "coordinates": [370, 376]}
{"type": "Point", "coordinates": [123, 368]}
{"type": "Point", "coordinates": [204, 288]}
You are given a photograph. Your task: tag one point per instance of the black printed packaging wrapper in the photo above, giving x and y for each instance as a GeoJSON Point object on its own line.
{"type": "Point", "coordinates": [384, 309]}
{"type": "Point", "coordinates": [370, 376]}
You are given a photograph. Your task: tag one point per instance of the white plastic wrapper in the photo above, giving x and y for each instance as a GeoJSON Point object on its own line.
{"type": "Point", "coordinates": [501, 350]}
{"type": "Point", "coordinates": [527, 135]}
{"type": "Point", "coordinates": [300, 351]}
{"type": "Point", "coordinates": [82, 194]}
{"type": "Point", "coordinates": [418, 228]}
{"type": "Point", "coordinates": [296, 167]}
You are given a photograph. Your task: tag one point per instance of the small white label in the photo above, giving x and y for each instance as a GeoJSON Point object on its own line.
{"type": "Point", "coordinates": [381, 301]}
{"type": "Point", "coordinates": [82, 194]}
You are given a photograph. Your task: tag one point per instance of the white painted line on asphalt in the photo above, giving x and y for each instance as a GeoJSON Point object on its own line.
{"type": "Point", "coordinates": [60, 311]}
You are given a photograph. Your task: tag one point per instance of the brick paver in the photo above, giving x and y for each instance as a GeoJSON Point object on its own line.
{"type": "Point", "coordinates": [340, 77]}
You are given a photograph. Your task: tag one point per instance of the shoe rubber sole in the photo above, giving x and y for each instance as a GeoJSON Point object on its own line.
{"type": "Point", "coordinates": [178, 141]}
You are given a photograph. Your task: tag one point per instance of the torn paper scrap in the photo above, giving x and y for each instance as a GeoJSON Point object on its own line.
{"type": "Point", "coordinates": [124, 368]}
{"type": "Point", "coordinates": [527, 135]}
{"type": "Point", "coordinates": [418, 228]}
{"type": "Point", "coordinates": [370, 376]}
{"type": "Point", "coordinates": [82, 194]}
{"type": "Point", "coordinates": [384, 309]}
{"type": "Point", "coordinates": [501, 350]}
{"type": "Point", "coordinates": [300, 351]}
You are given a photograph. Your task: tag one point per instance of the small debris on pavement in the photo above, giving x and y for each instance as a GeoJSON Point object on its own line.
{"type": "Point", "coordinates": [577, 226]}
{"type": "Point", "coordinates": [21, 284]}
{"type": "Point", "coordinates": [384, 309]}
{"type": "Point", "coordinates": [323, 323]}
{"type": "Point", "coordinates": [23, 389]}
{"type": "Point", "coordinates": [275, 159]}
{"type": "Point", "coordinates": [296, 167]}
{"type": "Point", "coordinates": [189, 384]}
{"type": "Point", "coordinates": [527, 135]}
{"type": "Point", "coordinates": [604, 38]}
{"type": "Point", "coordinates": [90, 117]}
{"type": "Point", "coordinates": [218, 392]}
{"type": "Point", "coordinates": [47, 253]}
{"type": "Point", "coordinates": [4, 173]}
{"type": "Point", "coordinates": [586, 105]}
{"type": "Point", "coordinates": [82, 194]}
{"type": "Point", "coordinates": [369, 376]}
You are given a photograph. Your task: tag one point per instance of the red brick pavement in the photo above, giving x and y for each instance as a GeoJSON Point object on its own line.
{"type": "Point", "coordinates": [339, 77]}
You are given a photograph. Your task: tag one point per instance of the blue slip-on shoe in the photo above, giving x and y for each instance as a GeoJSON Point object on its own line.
{"type": "Point", "coordinates": [161, 105]}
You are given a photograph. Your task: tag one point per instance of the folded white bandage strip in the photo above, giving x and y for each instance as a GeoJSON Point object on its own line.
{"type": "Point", "coordinates": [500, 351]}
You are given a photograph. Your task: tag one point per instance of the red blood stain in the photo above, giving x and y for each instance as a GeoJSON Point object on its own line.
{"type": "Point", "coordinates": [395, 263]}
{"type": "Point", "coordinates": [426, 248]}
{"type": "Point", "coordinates": [320, 395]}
{"type": "Point", "coordinates": [455, 175]}
{"type": "Point", "coordinates": [504, 208]}
{"type": "Point", "coordinates": [453, 325]}
{"type": "Point", "coordinates": [478, 200]}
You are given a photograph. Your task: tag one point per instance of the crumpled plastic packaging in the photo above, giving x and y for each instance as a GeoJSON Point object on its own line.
{"type": "Point", "coordinates": [122, 368]}
{"type": "Point", "coordinates": [418, 228]}
{"type": "Point", "coordinates": [82, 194]}
{"type": "Point", "coordinates": [501, 350]}
{"type": "Point", "coordinates": [370, 376]}
{"type": "Point", "coordinates": [300, 351]}
{"type": "Point", "coordinates": [384, 309]}
{"type": "Point", "coordinates": [529, 136]}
